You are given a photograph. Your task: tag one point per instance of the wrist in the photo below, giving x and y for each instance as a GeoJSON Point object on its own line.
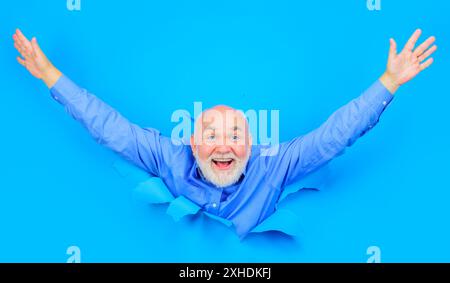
{"type": "Point", "coordinates": [50, 76]}
{"type": "Point", "coordinates": [389, 82]}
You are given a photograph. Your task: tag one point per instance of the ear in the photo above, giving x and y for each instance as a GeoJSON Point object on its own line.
{"type": "Point", "coordinates": [193, 145]}
{"type": "Point", "coordinates": [250, 143]}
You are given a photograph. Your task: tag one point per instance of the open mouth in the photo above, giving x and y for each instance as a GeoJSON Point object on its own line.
{"type": "Point", "coordinates": [223, 163]}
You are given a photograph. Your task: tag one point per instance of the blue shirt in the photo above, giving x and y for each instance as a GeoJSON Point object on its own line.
{"type": "Point", "coordinates": [254, 197]}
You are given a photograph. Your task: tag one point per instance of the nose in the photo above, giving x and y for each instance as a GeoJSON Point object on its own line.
{"type": "Point", "coordinates": [222, 149]}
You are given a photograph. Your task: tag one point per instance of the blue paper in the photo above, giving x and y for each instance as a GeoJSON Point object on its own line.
{"type": "Point", "coordinates": [224, 221]}
{"type": "Point", "coordinates": [181, 207]}
{"type": "Point", "coordinates": [130, 171]}
{"type": "Point", "coordinates": [153, 191]}
{"type": "Point", "coordinates": [313, 181]}
{"type": "Point", "coordinates": [282, 220]}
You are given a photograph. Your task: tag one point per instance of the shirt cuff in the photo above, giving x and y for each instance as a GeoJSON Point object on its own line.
{"type": "Point", "coordinates": [64, 90]}
{"type": "Point", "coordinates": [378, 97]}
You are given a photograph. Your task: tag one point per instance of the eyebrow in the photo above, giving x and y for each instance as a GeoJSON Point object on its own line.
{"type": "Point", "coordinates": [209, 128]}
{"type": "Point", "coordinates": [236, 128]}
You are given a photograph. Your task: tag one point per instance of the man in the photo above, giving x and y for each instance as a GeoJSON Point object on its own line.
{"type": "Point", "coordinates": [221, 171]}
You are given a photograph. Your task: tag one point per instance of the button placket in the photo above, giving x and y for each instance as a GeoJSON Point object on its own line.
{"type": "Point", "coordinates": [214, 201]}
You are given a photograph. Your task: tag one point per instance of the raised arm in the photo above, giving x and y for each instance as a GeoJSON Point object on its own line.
{"type": "Point", "coordinates": [309, 152]}
{"type": "Point", "coordinates": [144, 147]}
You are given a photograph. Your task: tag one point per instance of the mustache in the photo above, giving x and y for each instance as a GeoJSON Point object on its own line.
{"type": "Point", "coordinates": [223, 156]}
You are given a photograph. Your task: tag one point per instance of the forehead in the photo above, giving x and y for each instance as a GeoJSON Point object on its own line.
{"type": "Point", "coordinates": [223, 119]}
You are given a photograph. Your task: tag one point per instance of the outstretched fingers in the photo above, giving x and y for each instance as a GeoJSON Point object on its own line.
{"type": "Point", "coordinates": [21, 61]}
{"type": "Point", "coordinates": [427, 53]}
{"type": "Point", "coordinates": [424, 46]}
{"type": "Point", "coordinates": [412, 40]}
{"type": "Point", "coordinates": [426, 64]}
{"type": "Point", "coordinates": [21, 48]}
{"type": "Point", "coordinates": [22, 39]}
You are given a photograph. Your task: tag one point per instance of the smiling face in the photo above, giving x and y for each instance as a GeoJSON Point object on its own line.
{"type": "Point", "coordinates": [221, 145]}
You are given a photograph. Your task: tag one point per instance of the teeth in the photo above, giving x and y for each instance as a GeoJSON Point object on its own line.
{"type": "Point", "coordinates": [223, 160]}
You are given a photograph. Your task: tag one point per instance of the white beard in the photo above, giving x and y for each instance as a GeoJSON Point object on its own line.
{"type": "Point", "coordinates": [226, 178]}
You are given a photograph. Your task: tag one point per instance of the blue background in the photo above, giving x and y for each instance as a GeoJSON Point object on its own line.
{"type": "Point", "coordinates": [149, 58]}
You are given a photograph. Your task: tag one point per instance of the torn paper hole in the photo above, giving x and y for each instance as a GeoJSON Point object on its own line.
{"type": "Point", "coordinates": [153, 190]}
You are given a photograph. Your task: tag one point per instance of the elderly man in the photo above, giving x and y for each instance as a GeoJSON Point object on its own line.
{"type": "Point", "coordinates": [222, 171]}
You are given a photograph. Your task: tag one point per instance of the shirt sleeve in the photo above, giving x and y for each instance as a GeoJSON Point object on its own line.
{"type": "Point", "coordinates": [306, 153]}
{"type": "Point", "coordinates": [145, 147]}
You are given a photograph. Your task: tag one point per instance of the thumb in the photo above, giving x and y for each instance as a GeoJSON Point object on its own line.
{"type": "Point", "coordinates": [392, 48]}
{"type": "Point", "coordinates": [36, 49]}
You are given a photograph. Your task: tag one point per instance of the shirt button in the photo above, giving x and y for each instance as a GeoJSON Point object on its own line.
{"type": "Point", "coordinates": [384, 103]}
{"type": "Point", "coordinates": [214, 205]}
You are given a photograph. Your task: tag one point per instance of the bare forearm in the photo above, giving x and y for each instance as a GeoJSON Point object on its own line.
{"type": "Point", "coordinates": [51, 76]}
{"type": "Point", "coordinates": [389, 83]}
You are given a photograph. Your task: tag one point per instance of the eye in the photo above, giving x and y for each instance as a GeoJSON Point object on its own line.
{"type": "Point", "coordinates": [211, 137]}
{"type": "Point", "coordinates": [235, 137]}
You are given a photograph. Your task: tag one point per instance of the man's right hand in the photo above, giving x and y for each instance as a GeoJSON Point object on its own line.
{"type": "Point", "coordinates": [34, 60]}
